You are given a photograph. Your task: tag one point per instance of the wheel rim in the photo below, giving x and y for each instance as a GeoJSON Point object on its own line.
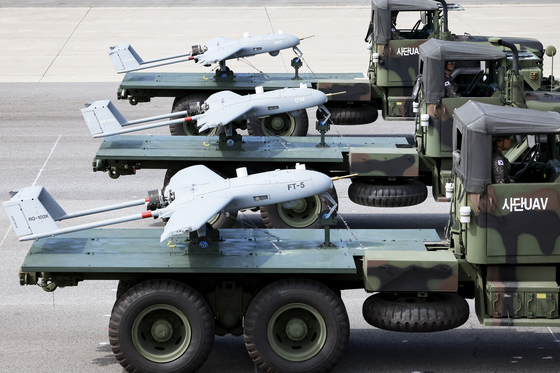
{"type": "Point", "coordinates": [296, 332]}
{"type": "Point", "coordinates": [214, 219]}
{"type": "Point", "coordinates": [161, 333]}
{"type": "Point", "coordinates": [280, 125]}
{"type": "Point", "coordinates": [303, 214]}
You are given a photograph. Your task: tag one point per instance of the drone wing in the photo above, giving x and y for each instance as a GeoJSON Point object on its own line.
{"type": "Point", "coordinates": [224, 107]}
{"type": "Point", "coordinates": [219, 49]}
{"type": "Point", "coordinates": [191, 215]}
{"type": "Point", "coordinates": [200, 194]}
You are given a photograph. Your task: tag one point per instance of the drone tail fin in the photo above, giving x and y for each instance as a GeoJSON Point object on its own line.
{"type": "Point", "coordinates": [33, 211]}
{"type": "Point", "coordinates": [103, 118]}
{"type": "Point", "coordinates": [125, 58]}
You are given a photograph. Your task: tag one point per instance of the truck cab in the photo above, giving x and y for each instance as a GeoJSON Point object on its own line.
{"type": "Point", "coordinates": [508, 232]}
{"type": "Point", "coordinates": [482, 73]}
{"type": "Point", "coordinates": [393, 63]}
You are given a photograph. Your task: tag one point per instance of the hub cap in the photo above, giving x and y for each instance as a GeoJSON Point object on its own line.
{"type": "Point", "coordinates": [161, 333]}
{"type": "Point", "coordinates": [303, 214]}
{"type": "Point", "coordinates": [297, 332]}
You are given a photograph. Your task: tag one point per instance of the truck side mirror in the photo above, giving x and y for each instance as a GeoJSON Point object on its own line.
{"type": "Point", "coordinates": [456, 157]}
{"type": "Point", "coordinates": [550, 51]}
{"type": "Point", "coordinates": [424, 17]}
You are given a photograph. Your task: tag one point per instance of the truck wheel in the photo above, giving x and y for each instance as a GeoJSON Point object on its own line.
{"type": "Point", "coordinates": [296, 325]}
{"type": "Point", "coordinates": [400, 193]}
{"type": "Point", "coordinates": [304, 215]}
{"type": "Point", "coordinates": [409, 313]}
{"type": "Point", "coordinates": [123, 287]}
{"type": "Point", "coordinates": [161, 326]}
{"type": "Point", "coordinates": [279, 125]}
{"type": "Point", "coordinates": [188, 128]}
{"type": "Point", "coordinates": [350, 115]}
{"type": "Point", "coordinates": [220, 220]}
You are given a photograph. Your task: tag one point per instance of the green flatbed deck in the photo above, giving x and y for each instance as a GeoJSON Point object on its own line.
{"type": "Point", "coordinates": [174, 82]}
{"type": "Point", "coordinates": [99, 252]}
{"type": "Point", "coordinates": [128, 152]}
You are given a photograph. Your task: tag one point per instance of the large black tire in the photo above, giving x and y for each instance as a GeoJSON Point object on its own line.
{"type": "Point", "coordinates": [379, 193]}
{"type": "Point", "coordinates": [296, 325]}
{"type": "Point", "coordinates": [351, 115]}
{"type": "Point", "coordinates": [123, 287]}
{"type": "Point", "coordinates": [188, 128]}
{"type": "Point", "coordinates": [409, 313]}
{"type": "Point", "coordinates": [279, 125]}
{"type": "Point", "coordinates": [220, 220]}
{"type": "Point", "coordinates": [161, 326]}
{"type": "Point", "coordinates": [304, 215]}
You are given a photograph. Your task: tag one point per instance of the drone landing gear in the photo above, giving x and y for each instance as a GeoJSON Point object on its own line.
{"type": "Point", "coordinates": [229, 139]}
{"type": "Point", "coordinates": [224, 74]}
{"type": "Point", "coordinates": [323, 125]}
{"type": "Point", "coordinates": [327, 220]}
{"type": "Point", "coordinates": [202, 242]}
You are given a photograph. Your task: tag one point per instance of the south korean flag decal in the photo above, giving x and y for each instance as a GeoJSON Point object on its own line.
{"type": "Point", "coordinates": [500, 162]}
{"type": "Point", "coordinates": [447, 83]}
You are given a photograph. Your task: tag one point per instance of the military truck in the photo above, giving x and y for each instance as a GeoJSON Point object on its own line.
{"type": "Point", "coordinates": [391, 74]}
{"type": "Point", "coordinates": [389, 81]}
{"type": "Point", "coordinates": [385, 171]}
{"type": "Point", "coordinates": [281, 289]}
{"type": "Point", "coordinates": [483, 73]}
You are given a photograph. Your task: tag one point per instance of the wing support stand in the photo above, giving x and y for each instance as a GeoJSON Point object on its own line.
{"type": "Point", "coordinates": [229, 139]}
{"type": "Point", "coordinates": [204, 241]}
{"type": "Point", "coordinates": [223, 73]}
{"type": "Point", "coordinates": [323, 126]}
{"type": "Point", "coordinates": [326, 220]}
{"type": "Point", "coordinates": [297, 63]}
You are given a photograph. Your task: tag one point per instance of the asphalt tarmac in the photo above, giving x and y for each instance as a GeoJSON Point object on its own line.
{"type": "Point", "coordinates": [48, 71]}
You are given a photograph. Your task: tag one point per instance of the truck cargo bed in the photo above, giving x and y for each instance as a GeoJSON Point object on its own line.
{"type": "Point", "coordinates": [99, 252]}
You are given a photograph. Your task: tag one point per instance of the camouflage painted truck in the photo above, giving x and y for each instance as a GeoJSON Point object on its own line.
{"type": "Point", "coordinates": [281, 289]}
{"type": "Point", "coordinates": [385, 88]}
{"type": "Point", "coordinates": [391, 74]}
{"type": "Point", "coordinates": [385, 171]}
{"type": "Point", "coordinates": [497, 75]}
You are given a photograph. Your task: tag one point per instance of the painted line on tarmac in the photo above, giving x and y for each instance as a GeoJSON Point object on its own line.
{"type": "Point", "coordinates": [555, 339]}
{"type": "Point", "coordinates": [49, 157]}
{"type": "Point", "coordinates": [6, 235]}
{"type": "Point", "coordinates": [66, 42]}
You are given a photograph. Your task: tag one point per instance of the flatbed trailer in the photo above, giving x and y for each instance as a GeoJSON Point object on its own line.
{"type": "Point", "coordinates": [141, 87]}
{"type": "Point", "coordinates": [172, 292]}
{"type": "Point", "coordinates": [116, 254]}
{"type": "Point", "coordinates": [124, 155]}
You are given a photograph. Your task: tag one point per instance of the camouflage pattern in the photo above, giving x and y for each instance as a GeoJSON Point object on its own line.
{"type": "Point", "coordinates": [411, 271]}
{"type": "Point", "coordinates": [435, 140]}
{"type": "Point", "coordinates": [540, 100]}
{"type": "Point", "coordinates": [451, 87]}
{"type": "Point", "coordinates": [501, 168]}
{"type": "Point", "coordinates": [353, 90]}
{"type": "Point", "coordinates": [398, 104]}
{"type": "Point", "coordinates": [513, 241]}
{"type": "Point", "coordinates": [518, 292]}
{"type": "Point", "coordinates": [519, 222]}
{"type": "Point", "coordinates": [398, 63]}
{"type": "Point", "coordinates": [384, 162]}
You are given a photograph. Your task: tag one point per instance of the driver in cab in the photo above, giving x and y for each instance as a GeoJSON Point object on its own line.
{"type": "Point", "coordinates": [395, 33]}
{"type": "Point", "coordinates": [450, 85]}
{"type": "Point", "coordinates": [501, 168]}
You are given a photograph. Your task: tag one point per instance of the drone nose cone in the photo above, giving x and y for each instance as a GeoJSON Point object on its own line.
{"type": "Point", "coordinates": [292, 40]}
{"type": "Point", "coordinates": [319, 97]}
{"type": "Point", "coordinates": [322, 182]}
